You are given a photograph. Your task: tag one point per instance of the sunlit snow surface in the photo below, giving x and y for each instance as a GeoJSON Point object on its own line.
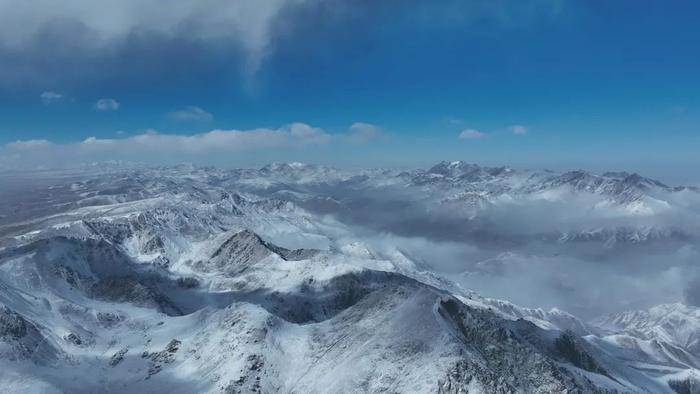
{"type": "Point", "coordinates": [301, 279]}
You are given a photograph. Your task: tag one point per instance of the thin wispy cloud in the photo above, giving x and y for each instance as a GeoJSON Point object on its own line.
{"type": "Point", "coordinates": [191, 114]}
{"type": "Point", "coordinates": [471, 134]}
{"type": "Point", "coordinates": [50, 97]}
{"type": "Point", "coordinates": [518, 129]}
{"type": "Point", "coordinates": [453, 121]}
{"type": "Point", "coordinates": [107, 104]}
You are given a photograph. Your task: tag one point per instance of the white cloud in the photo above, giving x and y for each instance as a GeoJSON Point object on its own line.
{"type": "Point", "coordinates": [293, 142]}
{"type": "Point", "coordinates": [28, 145]}
{"type": "Point", "coordinates": [209, 142]}
{"type": "Point", "coordinates": [107, 104]}
{"type": "Point", "coordinates": [360, 133]}
{"type": "Point", "coordinates": [154, 146]}
{"type": "Point", "coordinates": [191, 114]}
{"type": "Point", "coordinates": [518, 129]}
{"type": "Point", "coordinates": [50, 97]}
{"type": "Point", "coordinates": [471, 134]}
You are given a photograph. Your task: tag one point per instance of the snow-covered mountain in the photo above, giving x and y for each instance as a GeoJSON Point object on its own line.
{"type": "Point", "coordinates": [187, 279]}
{"type": "Point", "coordinates": [676, 324]}
{"type": "Point", "coordinates": [618, 187]}
{"type": "Point", "coordinates": [612, 208]}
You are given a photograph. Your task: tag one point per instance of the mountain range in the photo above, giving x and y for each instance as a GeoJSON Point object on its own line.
{"type": "Point", "coordinates": [187, 279]}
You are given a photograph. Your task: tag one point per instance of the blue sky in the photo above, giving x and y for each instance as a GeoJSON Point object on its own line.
{"type": "Point", "coordinates": [590, 84]}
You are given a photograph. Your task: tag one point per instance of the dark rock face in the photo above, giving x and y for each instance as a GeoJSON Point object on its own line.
{"type": "Point", "coordinates": [12, 325]}
{"type": "Point", "coordinates": [24, 338]}
{"type": "Point", "coordinates": [72, 277]}
{"type": "Point", "coordinates": [251, 381]}
{"type": "Point", "coordinates": [296, 254]}
{"type": "Point", "coordinates": [109, 320]}
{"type": "Point", "coordinates": [316, 304]}
{"type": "Point", "coordinates": [162, 358]}
{"type": "Point", "coordinates": [570, 349]}
{"type": "Point", "coordinates": [187, 283]}
{"type": "Point", "coordinates": [153, 245]}
{"type": "Point", "coordinates": [129, 289]}
{"type": "Point", "coordinates": [74, 339]}
{"type": "Point", "coordinates": [504, 354]}
{"type": "Point", "coordinates": [118, 357]}
{"type": "Point", "coordinates": [245, 248]}
{"type": "Point", "coordinates": [685, 386]}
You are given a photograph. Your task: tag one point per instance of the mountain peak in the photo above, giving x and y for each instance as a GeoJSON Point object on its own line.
{"type": "Point", "coordinates": [285, 167]}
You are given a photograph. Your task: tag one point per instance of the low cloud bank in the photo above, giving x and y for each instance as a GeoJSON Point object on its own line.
{"type": "Point", "coordinates": [513, 249]}
{"type": "Point", "coordinates": [153, 146]}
